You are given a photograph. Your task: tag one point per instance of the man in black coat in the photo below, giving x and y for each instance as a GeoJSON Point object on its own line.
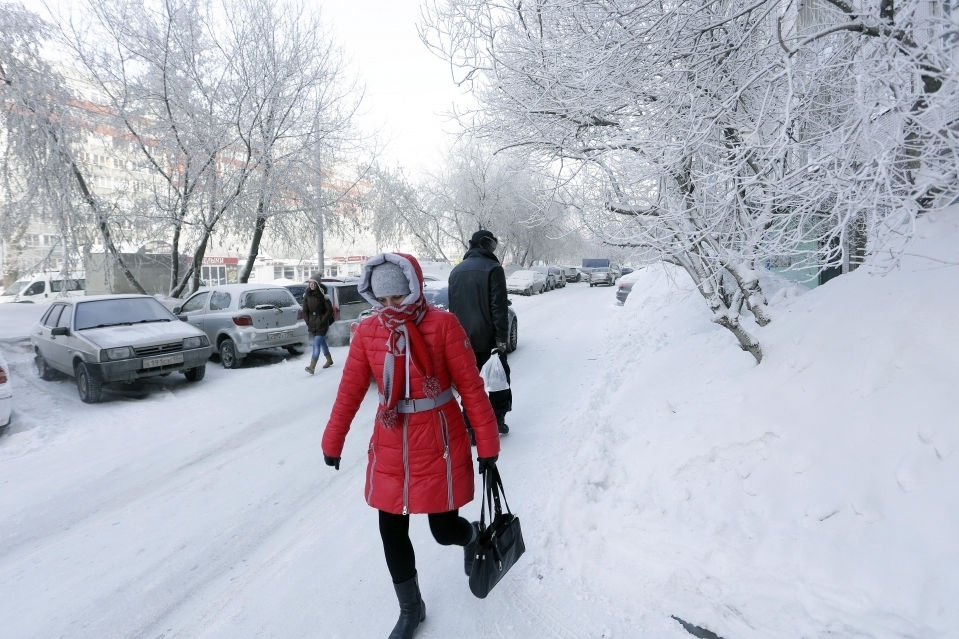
{"type": "Point", "coordinates": [478, 299]}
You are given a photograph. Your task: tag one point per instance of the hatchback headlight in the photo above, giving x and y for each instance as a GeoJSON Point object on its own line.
{"type": "Point", "coordinates": [193, 342]}
{"type": "Point", "coordinates": [123, 352]}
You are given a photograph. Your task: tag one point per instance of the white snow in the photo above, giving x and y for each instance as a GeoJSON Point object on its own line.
{"type": "Point", "coordinates": [657, 470]}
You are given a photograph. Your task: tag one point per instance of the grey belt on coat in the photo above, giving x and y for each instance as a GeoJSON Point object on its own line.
{"type": "Point", "coordinates": [425, 404]}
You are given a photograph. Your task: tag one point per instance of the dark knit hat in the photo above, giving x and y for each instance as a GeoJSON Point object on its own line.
{"type": "Point", "coordinates": [318, 278]}
{"type": "Point", "coordinates": [389, 279]}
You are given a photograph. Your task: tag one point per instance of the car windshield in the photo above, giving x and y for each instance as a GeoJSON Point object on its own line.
{"type": "Point", "coordinates": [273, 297]}
{"type": "Point", "coordinates": [522, 275]}
{"type": "Point", "coordinates": [120, 312]}
{"type": "Point", "coordinates": [600, 270]}
{"type": "Point", "coordinates": [16, 287]}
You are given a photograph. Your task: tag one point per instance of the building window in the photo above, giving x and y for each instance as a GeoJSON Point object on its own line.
{"type": "Point", "coordinates": [213, 275]}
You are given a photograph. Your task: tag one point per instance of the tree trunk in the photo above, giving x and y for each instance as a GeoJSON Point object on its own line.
{"type": "Point", "coordinates": [11, 257]}
{"type": "Point", "coordinates": [254, 246]}
{"type": "Point", "coordinates": [175, 256]}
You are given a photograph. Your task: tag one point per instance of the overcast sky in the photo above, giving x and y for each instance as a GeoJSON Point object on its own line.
{"type": "Point", "coordinates": [408, 87]}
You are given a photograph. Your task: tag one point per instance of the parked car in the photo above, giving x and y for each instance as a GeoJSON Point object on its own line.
{"type": "Point", "coordinates": [526, 282]}
{"type": "Point", "coordinates": [573, 274]}
{"type": "Point", "coordinates": [241, 318]}
{"type": "Point", "coordinates": [617, 271]}
{"type": "Point", "coordinates": [115, 338]}
{"type": "Point", "coordinates": [45, 286]}
{"type": "Point", "coordinates": [555, 276]}
{"type": "Point", "coordinates": [602, 275]}
{"type": "Point", "coordinates": [297, 291]}
{"type": "Point", "coordinates": [626, 270]}
{"type": "Point", "coordinates": [438, 294]}
{"type": "Point", "coordinates": [348, 305]}
{"type": "Point", "coordinates": [6, 392]}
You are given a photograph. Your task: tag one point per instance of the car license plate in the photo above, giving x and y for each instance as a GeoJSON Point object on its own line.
{"type": "Point", "coordinates": [279, 335]}
{"type": "Point", "coordinates": [153, 362]}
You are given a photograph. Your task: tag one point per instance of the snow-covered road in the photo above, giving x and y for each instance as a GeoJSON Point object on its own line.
{"type": "Point", "coordinates": [182, 510]}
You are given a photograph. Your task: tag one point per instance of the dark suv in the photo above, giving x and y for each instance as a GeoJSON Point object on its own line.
{"type": "Point", "coordinates": [347, 306]}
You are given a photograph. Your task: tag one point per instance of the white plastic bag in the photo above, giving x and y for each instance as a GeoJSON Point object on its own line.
{"type": "Point", "coordinates": [494, 375]}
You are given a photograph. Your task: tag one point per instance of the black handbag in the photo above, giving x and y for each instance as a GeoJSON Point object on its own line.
{"type": "Point", "coordinates": [500, 544]}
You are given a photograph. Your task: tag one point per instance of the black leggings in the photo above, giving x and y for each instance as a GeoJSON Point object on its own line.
{"type": "Point", "coordinates": [448, 529]}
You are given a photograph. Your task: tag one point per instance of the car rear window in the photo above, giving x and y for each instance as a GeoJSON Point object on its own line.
{"type": "Point", "coordinates": [279, 297]}
{"type": "Point", "coordinates": [349, 295]}
{"type": "Point", "coordinates": [117, 312]}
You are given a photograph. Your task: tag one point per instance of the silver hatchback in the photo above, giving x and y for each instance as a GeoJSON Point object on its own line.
{"type": "Point", "coordinates": [242, 318]}
{"type": "Point", "coordinates": [115, 338]}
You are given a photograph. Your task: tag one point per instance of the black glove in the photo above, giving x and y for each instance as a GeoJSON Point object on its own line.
{"type": "Point", "coordinates": [501, 347]}
{"type": "Point", "coordinates": [487, 463]}
{"type": "Point", "coordinates": [332, 461]}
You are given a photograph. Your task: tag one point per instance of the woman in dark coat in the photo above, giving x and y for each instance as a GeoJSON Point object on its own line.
{"type": "Point", "coordinates": [419, 459]}
{"type": "Point", "coordinates": [318, 312]}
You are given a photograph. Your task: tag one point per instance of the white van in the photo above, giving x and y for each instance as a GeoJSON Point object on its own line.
{"type": "Point", "coordinates": [45, 286]}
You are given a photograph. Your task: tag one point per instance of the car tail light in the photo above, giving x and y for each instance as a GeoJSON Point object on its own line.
{"type": "Point", "coordinates": [243, 320]}
{"type": "Point", "coordinates": [300, 314]}
{"type": "Point", "coordinates": [3, 376]}
{"type": "Point", "coordinates": [336, 312]}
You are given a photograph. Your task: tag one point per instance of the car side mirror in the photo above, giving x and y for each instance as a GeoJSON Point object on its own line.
{"type": "Point", "coordinates": [59, 330]}
{"type": "Point", "coordinates": [176, 310]}
{"type": "Point", "coordinates": [182, 318]}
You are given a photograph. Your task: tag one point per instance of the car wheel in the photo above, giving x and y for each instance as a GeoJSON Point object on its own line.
{"type": "Point", "coordinates": [293, 350]}
{"type": "Point", "coordinates": [43, 369]}
{"type": "Point", "coordinates": [513, 336]}
{"type": "Point", "coordinates": [528, 292]}
{"type": "Point", "coordinates": [195, 374]}
{"type": "Point", "coordinates": [228, 354]}
{"type": "Point", "coordinates": [88, 387]}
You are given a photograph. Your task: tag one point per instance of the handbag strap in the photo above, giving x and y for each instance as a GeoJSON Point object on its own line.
{"type": "Point", "coordinates": [492, 491]}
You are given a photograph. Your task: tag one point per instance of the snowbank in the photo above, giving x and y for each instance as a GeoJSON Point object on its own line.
{"type": "Point", "coordinates": [812, 494]}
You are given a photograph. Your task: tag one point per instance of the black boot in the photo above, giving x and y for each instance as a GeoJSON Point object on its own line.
{"type": "Point", "coordinates": [469, 550]}
{"type": "Point", "coordinates": [501, 423]}
{"type": "Point", "coordinates": [412, 609]}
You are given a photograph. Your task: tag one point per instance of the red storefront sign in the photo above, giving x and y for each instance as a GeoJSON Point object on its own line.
{"type": "Point", "coordinates": [226, 261]}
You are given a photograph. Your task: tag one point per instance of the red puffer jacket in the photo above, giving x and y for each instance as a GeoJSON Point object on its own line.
{"type": "Point", "coordinates": [424, 466]}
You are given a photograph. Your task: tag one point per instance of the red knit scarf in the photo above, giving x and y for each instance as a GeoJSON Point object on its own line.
{"type": "Point", "coordinates": [396, 319]}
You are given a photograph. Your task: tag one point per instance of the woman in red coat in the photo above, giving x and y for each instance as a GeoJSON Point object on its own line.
{"type": "Point", "coordinates": [419, 454]}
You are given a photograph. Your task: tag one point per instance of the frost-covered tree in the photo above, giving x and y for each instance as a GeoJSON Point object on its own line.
{"type": "Point", "coordinates": [719, 135]}
{"type": "Point", "coordinates": [44, 173]}
{"type": "Point", "coordinates": [475, 189]}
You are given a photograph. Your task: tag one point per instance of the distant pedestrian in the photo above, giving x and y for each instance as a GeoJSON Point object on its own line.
{"type": "Point", "coordinates": [318, 312]}
{"type": "Point", "coordinates": [419, 454]}
{"type": "Point", "coordinates": [478, 299]}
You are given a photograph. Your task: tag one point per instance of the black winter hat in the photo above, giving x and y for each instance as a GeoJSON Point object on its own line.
{"type": "Point", "coordinates": [479, 236]}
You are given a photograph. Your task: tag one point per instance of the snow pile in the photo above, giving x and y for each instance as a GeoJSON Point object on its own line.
{"type": "Point", "coordinates": [812, 494]}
